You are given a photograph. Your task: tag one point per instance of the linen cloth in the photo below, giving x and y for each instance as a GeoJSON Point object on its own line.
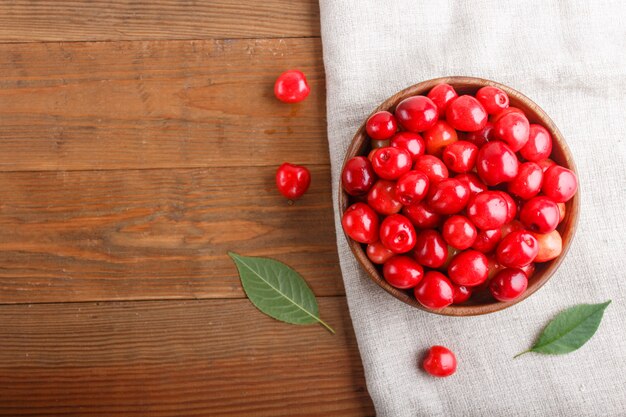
{"type": "Point", "coordinates": [570, 58]}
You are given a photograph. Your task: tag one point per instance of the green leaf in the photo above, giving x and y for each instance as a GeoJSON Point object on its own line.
{"type": "Point", "coordinates": [277, 290]}
{"type": "Point", "coordinates": [569, 330]}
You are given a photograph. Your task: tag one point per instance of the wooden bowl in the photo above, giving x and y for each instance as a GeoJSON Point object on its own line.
{"type": "Point", "coordinates": [560, 154]}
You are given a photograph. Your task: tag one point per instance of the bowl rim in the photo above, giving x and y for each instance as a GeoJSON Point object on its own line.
{"type": "Point", "coordinates": [360, 142]}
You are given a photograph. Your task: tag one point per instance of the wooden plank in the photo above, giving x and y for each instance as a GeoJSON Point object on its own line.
{"type": "Point", "coordinates": [158, 104]}
{"type": "Point", "coordinates": [148, 234]}
{"type": "Point", "coordinates": [216, 357]}
{"type": "Point", "coordinates": [64, 20]}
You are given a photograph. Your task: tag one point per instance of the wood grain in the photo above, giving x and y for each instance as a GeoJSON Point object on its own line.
{"type": "Point", "coordinates": [63, 20]}
{"type": "Point", "coordinates": [218, 358]}
{"type": "Point", "coordinates": [158, 104]}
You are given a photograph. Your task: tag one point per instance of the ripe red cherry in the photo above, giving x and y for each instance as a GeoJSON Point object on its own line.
{"type": "Point", "coordinates": [540, 214]}
{"type": "Point", "coordinates": [378, 253]}
{"type": "Point", "coordinates": [397, 233]}
{"type": "Point", "coordinates": [411, 187]}
{"type": "Point", "coordinates": [391, 163]}
{"type": "Point", "coordinates": [496, 163]}
{"type": "Point", "coordinates": [422, 216]}
{"type": "Point", "coordinates": [545, 164]}
{"type": "Point", "coordinates": [442, 95]}
{"type": "Point", "coordinates": [460, 156]}
{"type": "Point", "coordinates": [410, 141]}
{"type": "Point", "coordinates": [438, 137]}
{"type": "Point", "coordinates": [465, 113]}
{"type": "Point", "coordinates": [527, 183]}
{"type": "Point", "coordinates": [487, 210]}
{"type": "Point", "coordinates": [487, 240]}
{"type": "Point", "coordinates": [358, 176]}
{"type": "Point", "coordinates": [473, 182]}
{"type": "Point", "coordinates": [417, 113]}
{"type": "Point", "coordinates": [539, 145]}
{"type": "Point", "coordinates": [291, 87]}
{"type": "Point", "coordinates": [511, 206]}
{"type": "Point", "coordinates": [402, 272]}
{"type": "Point", "coordinates": [381, 125]}
{"type": "Point", "coordinates": [493, 99]}
{"type": "Point", "coordinates": [513, 129]}
{"type": "Point", "coordinates": [480, 137]}
{"type": "Point", "coordinates": [430, 249]}
{"type": "Point", "coordinates": [448, 196]}
{"type": "Point", "coordinates": [468, 268]}
{"type": "Point", "coordinates": [461, 294]}
{"type": "Point", "coordinates": [432, 166]}
{"type": "Point", "coordinates": [502, 113]}
{"type": "Point", "coordinates": [517, 249]}
{"type": "Point", "coordinates": [382, 197]}
{"type": "Point", "coordinates": [550, 246]}
{"type": "Point", "coordinates": [440, 362]}
{"type": "Point", "coordinates": [559, 183]}
{"type": "Point", "coordinates": [360, 222]}
{"type": "Point", "coordinates": [529, 269]}
{"type": "Point", "coordinates": [292, 180]}
{"type": "Point", "coordinates": [511, 227]}
{"type": "Point", "coordinates": [508, 284]}
{"type": "Point", "coordinates": [434, 291]}
{"type": "Point", "coordinates": [459, 232]}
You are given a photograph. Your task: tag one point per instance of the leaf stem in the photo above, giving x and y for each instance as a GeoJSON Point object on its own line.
{"type": "Point", "coordinates": [330, 329]}
{"type": "Point", "coordinates": [521, 353]}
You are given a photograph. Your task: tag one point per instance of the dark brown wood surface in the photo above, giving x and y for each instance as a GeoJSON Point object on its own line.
{"type": "Point", "coordinates": [138, 144]}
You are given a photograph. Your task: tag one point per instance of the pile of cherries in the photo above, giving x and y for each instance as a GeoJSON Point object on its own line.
{"type": "Point", "coordinates": [458, 195]}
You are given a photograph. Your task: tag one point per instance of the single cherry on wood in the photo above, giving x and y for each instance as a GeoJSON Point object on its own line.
{"type": "Point", "coordinates": [291, 87]}
{"type": "Point", "coordinates": [292, 180]}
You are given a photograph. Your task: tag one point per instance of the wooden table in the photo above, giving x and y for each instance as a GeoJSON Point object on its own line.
{"type": "Point", "coordinates": [138, 144]}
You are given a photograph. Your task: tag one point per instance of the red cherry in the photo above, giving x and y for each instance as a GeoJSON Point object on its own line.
{"type": "Point", "coordinates": [434, 291]}
{"type": "Point", "coordinates": [461, 294]}
{"type": "Point", "coordinates": [540, 214]}
{"type": "Point", "coordinates": [473, 182]}
{"type": "Point", "coordinates": [360, 223]}
{"type": "Point", "coordinates": [529, 269]}
{"type": "Point", "coordinates": [493, 99]}
{"type": "Point", "coordinates": [502, 113]}
{"type": "Point", "coordinates": [448, 196]}
{"type": "Point", "coordinates": [358, 176]}
{"type": "Point", "coordinates": [432, 166]}
{"type": "Point", "coordinates": [459, 232]}
{"type": "Point", "coordinates": [442, 95]}
{"type": "Point", "coordinates": [438, 137]}
{"type": "Point", "coordinates": [378, 253]}
{"type": "Point", "coordinates": [292, 180]}
{"type": "Point", "coordinates": [409, 141]}
{"type": "Point", "coordinates": [460, 156]}
{"type": "Point", "coordinates": [391, 163]}
{"type": "Point", "coordinates": [402, 272]}
{"type": "Point", "coordinates": [291, 87]}
{"type": "Point", "coordinates": [412, 187]}
{"type": "Point", "coordinates": [496, 163]}
{"type": "Point", "coordinates": [487, 210]}
{"type": "Point", "coordinates": [468, 268]}
{"type": "Point", "coordinates": [381, 125]}
{"type": "Point", "coordinates": [550, 246]}
{"type": "Point", "coordinates": [440, 362]}
{"type": "Point", "coordinates": [430, 249]}
{"type": "Point", "coordinates": [511, 227]}
{"type": "Point", "coordinates": [487, 240]}
{"type": "Point", "coordinates": [480, 137]}
{"type": "Point", "coordinates": [382, 197]}
{"type": "Point", "coordinates": [417, 113]}
{"type": "Point", "coordinates": [465, 113]}
{"type": "Point", "coordinates": [545, 164]}
{"type": "Point", "coordinates": [452, 252]}
{"type": "Point", "coordinates": [539, 145]}
{"type": "Point", "coordinates": [513, 129]}
{"type": "Point", "coordinates": [517, 249]}
{"type": "Point", "coordinates": [559, 183]}
{"type": "Point", "coordinates": [508, 284]}
{"type": "Point", "coordinates": [397, 233]}
{"type": "Point", "coordinates": [422, 216]}
{"type": "Point", "coordinates": [511, 206]}
{"type": "Point", "coordinates": [527, 183]}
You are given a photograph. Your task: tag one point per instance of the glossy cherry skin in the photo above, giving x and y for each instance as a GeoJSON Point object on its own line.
{"type": "Point", "coordinates": [460, 157]}
{"type": "Point", "coordinates": [545, 164]}
{"type": "Point", "coordinates": [473, 182]}
{"type": "Point", "coordinates": [358, 176]}
{"type": "Point", "coordinates": [487, 240]}
{"type": "Point", "coordinates": [391, 163]}
{"type": "Point", "coordinates": [440, 362]}
{"type": "Point", "coordinates": [410, 141]}
{"type": "Point", "coordinates": [291, 87]}
{"type": "Point", "coordinates": [513, 129]}
{"type": "Point", "coordinates": [402, 272]}
{"type": "Point", "coordinates": [430, 249]}
{"type": "Point", "coordinates": [468, 268]}
{"type": "Point", "coordinates": [487, 210]}
{"type": "Point", "coordinates": [435, 291]}
{"type": "Point", "coordinates": [529, 269]}
{"type": "Point", "coordinates": [292, 180]}
{"type": "Point", "coordinates": [527, 183]}
{"type": "Point", "coordinates": [511, 227]}
{"type": "Point", "coordinates": [397, 233]}
{"type": "Point", "coordinates": [501, 114]}
{"type": "Point", "coordinates": [459, 232]}
{"type": "Point", "coordinates": [433, 167]}
{"type": "Point", "coordinates": [511, 206]}
{"type": "Point", "coordinates": [480, 137]}
{"type": "Point", "coordinates": [496, 163]}
{"type": "Point", "coordinates": [382, 197]}
{"type": "Point", "coordinates": [559, 183]}
{"type": "Point", "coordinates": [442, 95]}
{"type": "Point", "coordinates": [493, 99]}
{"type": "Point", "coordinates": [378, 253]}
{"type": "Point", "coordinates": [466, 114]}
{"type": "Point", "coordinates": [438, 137]}
{"type": "Point", "coordinates": [422, 216]}
{"type": "Point", "coordinates": [539, 145]}
{"type": "Point", "coordinates": [448, 196]}
{"type": "Point", "coordinates": [412, 187]}
{"type": "Point", "coordinates": [550, 246]}
{"type": "Point", "coordinates": [461, 294]}
{"type": "Point", "coordinates": [540, 214]}
{"type": "Point", "coordinates": [381, 125]}
{"type": "Point", "coordinates": [517, 249]}
{"type": "Point", "coordinates": [508, 284]}
{"type": "Point", "coordinates": [360, 222]}
{"type": "Point", "coordinates": [417, 113]}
